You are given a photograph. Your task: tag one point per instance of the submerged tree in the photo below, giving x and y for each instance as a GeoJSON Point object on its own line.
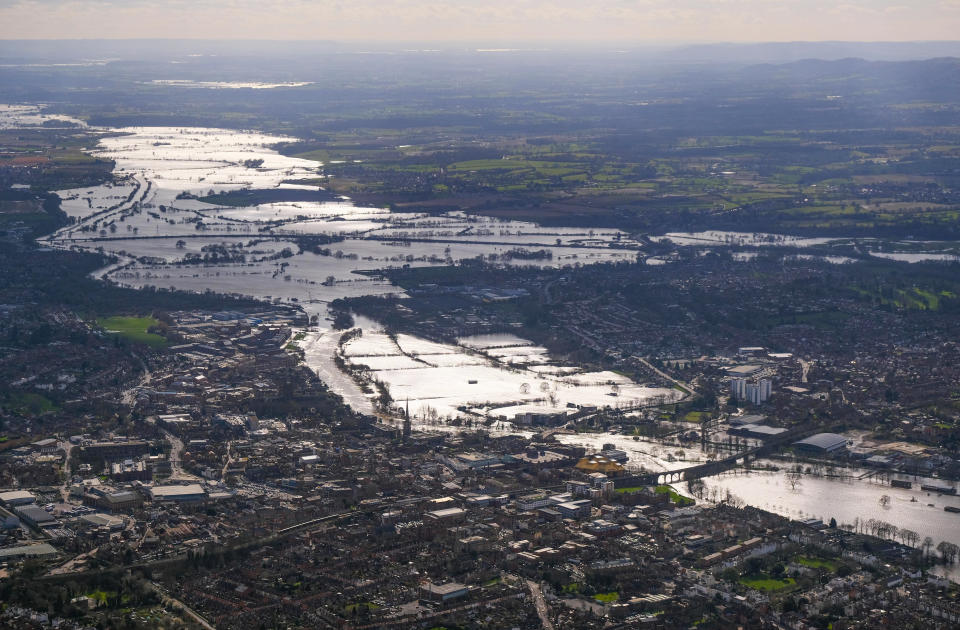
{"type": "Point", "coordinates": [793, 479]}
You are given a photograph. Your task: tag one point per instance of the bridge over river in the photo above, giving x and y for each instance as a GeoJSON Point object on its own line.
{"type": "Point", "coordinates": [709, 469]}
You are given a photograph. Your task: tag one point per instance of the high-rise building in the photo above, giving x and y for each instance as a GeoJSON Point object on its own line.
{"type": "Point", "coordinates": [752, 393]}
{"type": "Point", "coordinates": [766, 388]}
{"type": "Point", "coordinates": [738, 388]}
{"type": "Point", "coordinates": [755, 393]}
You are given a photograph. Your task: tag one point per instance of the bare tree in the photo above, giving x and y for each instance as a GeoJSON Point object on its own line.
{"type": "Point", "coordinates": [793, 480]}
{"type": "Point", "coordinates": [892, 531]}
{"type": "Point", "coordinates": [696, 487]}
{"type": "Point", "coordinates": [948, 551]}
{"type": "Point", "coordinates": [885, 501]}
{"type": "Point", "coordinates": [909, 537]}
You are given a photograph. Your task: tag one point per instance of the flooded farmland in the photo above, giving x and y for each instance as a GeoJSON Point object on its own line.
{"type": "Point", "coordinates": [161, 218]}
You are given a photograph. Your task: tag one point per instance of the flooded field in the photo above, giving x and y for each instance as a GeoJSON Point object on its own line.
{"type": "Point", "coordinates": [227, 85]}
{"type": "Point", "coordinates": [756, 239]}
{"type": "Point", "coordinates": [24, 116]}
{"type": "Point", "coordinates": [847, 501]}
{"type": "Point", "coordinates": [916, 257]}
{"type": "Point", "coordinates": [486, 376]}
{"type": "Point", "coordinates": [169, 219]}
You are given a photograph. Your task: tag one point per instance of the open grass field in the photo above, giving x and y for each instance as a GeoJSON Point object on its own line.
{"type": "Point", "coordinates": [674, 496]}
{"type": "Point", "coordinates": [817, 563]}
{"type": "Point", "coordinates": [774, 181]}
{"type": "Point", "coordinates": [134, 329]}
{"type": "Point", "coordinates": [766, 583]}
{"type": "Point", "coordinates": [29, 404]}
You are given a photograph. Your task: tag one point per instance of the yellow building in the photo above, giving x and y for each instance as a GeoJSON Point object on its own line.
{"type": "Point", "coordinates": [598, 463]}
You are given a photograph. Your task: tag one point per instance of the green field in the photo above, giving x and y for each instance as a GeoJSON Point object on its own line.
{"type": "Point", "coordinates": [766, 583]}
{"type": "Point", "coordinates": [676, 498]}
{"type": "Point", "coordinates": [29, 404]}
{"type": "Point", "coordinates": [607, 598]}
{"type": "Point", "coordinates": [134, 329]}
{"type": "Point", "coordinates": [817, 563]}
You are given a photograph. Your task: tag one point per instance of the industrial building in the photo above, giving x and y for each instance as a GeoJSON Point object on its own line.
{"type": "Point", "coordinates": [454, 514]}
{"type": "Point", "coordinates": [442, 593]}
{"type": "Point", "coordinates": [757, 431]}
{"type": "Point", "coordinates": [821, 443]}
{"type": "Point", "coordinates": [179, 494]}
{"type": "Point", "coordinates": [35, 517]}
{"type": "Point", "coordinates": [27, 551]}
{"type": "Point", "coordinates": [16, 497]}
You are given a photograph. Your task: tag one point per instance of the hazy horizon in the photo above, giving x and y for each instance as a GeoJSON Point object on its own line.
{"type": "Point", "coordinates": [520, 21]}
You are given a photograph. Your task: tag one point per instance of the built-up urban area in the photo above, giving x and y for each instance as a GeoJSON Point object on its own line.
{"type": "Point", "coordinates": [233, 489]}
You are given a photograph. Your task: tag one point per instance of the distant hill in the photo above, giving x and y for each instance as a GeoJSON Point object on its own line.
{"type": "Point", "coordinates": [785, 52]}
{"type": "Point", "coordinates": [920, 80]}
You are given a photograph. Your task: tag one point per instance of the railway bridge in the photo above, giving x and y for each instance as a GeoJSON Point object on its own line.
{"type": "Point", "coordinates": [709, 469]}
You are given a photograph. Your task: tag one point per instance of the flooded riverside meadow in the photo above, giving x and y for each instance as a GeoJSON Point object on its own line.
{"type": "Point", "coordinates": [158, 219]}
{"type": "Point", "coordinates": [152, 218]}
{"type": "Point", "coordinates": [848, 501]}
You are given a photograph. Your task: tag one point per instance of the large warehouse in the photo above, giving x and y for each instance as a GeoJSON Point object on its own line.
{"type": "Point", "coordinates": [180, 494]}
{"type": "Point", "coordinates": [822, 443]}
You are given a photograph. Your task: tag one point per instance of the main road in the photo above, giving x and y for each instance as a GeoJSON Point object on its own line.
{"type": "Point", "coordinates": [537, 594]}
{"type": "Point", "coordinates": [684, 386]}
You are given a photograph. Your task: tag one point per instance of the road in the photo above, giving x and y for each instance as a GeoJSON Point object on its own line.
{"type": "Point", "coordinates": [65, 486]}
{"type": "Point", "coordinates": [547, 298]}
{"type": "Point", "coordinates": [686, 386]}
{"type": "Point", "coordinates": [176, 466]}
{"type": "Point", "coordinates": [170, 600]}
{"type": "Point", "coordinates": [805, 369]}
{"type": "Point", "coordinates": [226, 463]}
{"type": "Point", "coordinates": [129, 396]}
{"type": "Point", "coordinates": [540, 604]}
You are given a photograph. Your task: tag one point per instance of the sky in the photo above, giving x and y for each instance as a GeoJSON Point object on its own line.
{"type": "Point", "coordinates": [517, 21]}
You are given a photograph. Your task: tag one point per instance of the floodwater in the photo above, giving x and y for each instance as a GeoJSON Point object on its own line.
{"type": "Point", "coordinates": [847, 501]}
{"type": "Point", "coordinates": [154, 218]}
{"type": "Point", "coordinates": [228, 85]}
{"type": "Point", "coordinates": [151, 216]}
{"type": "Point", "coordinates": [491, 380]}
{"type": "Point", "coordinates": [757, 239]}
{"type": "Point", "coordinates": [22, 116]}
{"type": "Point", "coordinates": [916, 257]}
